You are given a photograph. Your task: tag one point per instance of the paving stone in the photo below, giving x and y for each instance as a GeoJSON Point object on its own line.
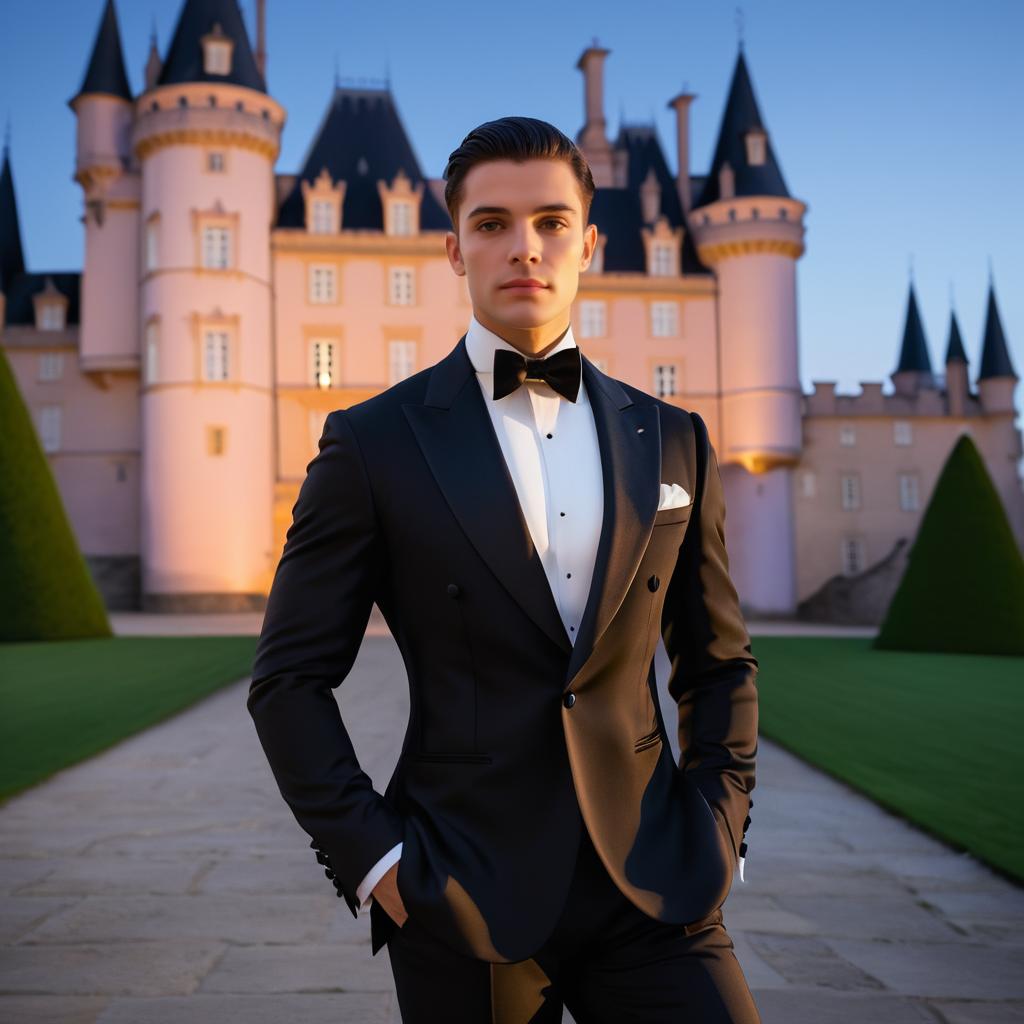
{"type": "Point", "coordinates": [233, 919]}
{"type": "Point", "coordinates": [300, 968]}
{"type": "Point", "coordinates": [51, 1009]}
{"type": "Point", "coordinates": [17, 872]}
{"type": "Point", "coordinates": [332, 1008]}
{"type": "Point", "coordinates": [868, 917]}
{"type": "Point", "coordinates": [89, 875]}
{"type": "Point", "coordinates": [125, 968]}
{"type": "Point", "coordinates": [956, 970]}
{"type": "Point", "coordinates": [980, 1012]}
{"type": "Point", "coordinates": [19, 915]}
{"type": "Point", "coordinates": [807, 960]}
{"type": "Point", "coordinates": [813, 1006]}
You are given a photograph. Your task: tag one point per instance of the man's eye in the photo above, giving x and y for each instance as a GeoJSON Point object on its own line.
{"type": "Point", "coordinates": [554, 220]}
{"type": "Point", "coordinates": [485, 223]}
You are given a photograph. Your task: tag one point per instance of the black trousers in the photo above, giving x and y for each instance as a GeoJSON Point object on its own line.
{"type": "Point", "coordinates": [606, 960]}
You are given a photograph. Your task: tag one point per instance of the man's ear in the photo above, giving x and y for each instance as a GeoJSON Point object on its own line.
{"type": "Point", "coordinates": [589, 246]}
{"type": "Point", "coordinates": [452, 248]}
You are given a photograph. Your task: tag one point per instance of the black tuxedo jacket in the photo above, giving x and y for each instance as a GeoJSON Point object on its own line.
{"type": "Point", "coordinates": [517, 737]}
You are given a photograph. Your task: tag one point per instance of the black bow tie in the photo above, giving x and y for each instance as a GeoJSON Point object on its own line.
{"type": "Point", "coordinates": [562, 370]}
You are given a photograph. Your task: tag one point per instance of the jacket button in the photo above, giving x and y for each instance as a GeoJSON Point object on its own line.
{"type": "Point", "coordinates": [453, 590]}
{"type": "Point", "coordinates": [653, 583]}
{"type": "Point", "coordinates": [569, 699]}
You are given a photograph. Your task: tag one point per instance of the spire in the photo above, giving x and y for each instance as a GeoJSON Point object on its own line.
{"type": "Point", "coordinates": [106, 73]}
{"type": "Point", "coordinates": [995, 356]}
{"type": "Point", "coordinates": [955, 347]}
{"type": "Point", "coordinates": [12, 257]}
{"type": "Point", "coordinates": [914, 350]}
{"type": "Point", "coordinates": [741, 119]}
{"type": "Point", "coordinates": [200, 18]}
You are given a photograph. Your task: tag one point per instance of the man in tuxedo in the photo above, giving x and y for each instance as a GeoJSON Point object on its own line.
{"type": "Point", "coordinates": [529, 527]}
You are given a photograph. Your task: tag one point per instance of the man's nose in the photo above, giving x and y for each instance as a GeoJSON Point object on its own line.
{"type": "Point", "coordinates": [525, 246]}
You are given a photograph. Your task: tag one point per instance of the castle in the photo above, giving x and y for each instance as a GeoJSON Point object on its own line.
{"type": "Point", "coordinates": [179, 383]}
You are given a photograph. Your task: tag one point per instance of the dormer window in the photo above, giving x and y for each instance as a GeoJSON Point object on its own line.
{"type": "Point", "coordinates": [323, 201]}
{"type": "Point", "coordinates": [401, 204]}
{"type": "Point", "coordinates": [50, 308]}
{"type": "Point", "coordinates": [662, 244]}
{"type": "Point", "coordinates": [757, 147]}
{"type": "Point", "coordinates": [217, 49]}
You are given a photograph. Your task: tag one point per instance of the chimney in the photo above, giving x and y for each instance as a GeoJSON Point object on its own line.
{"type": "Point", "coordinates": [261, 37]}
{"type": "Point", "coordinates": [681, 105]}
{"type": "Point", "coordinates": [593, 137]}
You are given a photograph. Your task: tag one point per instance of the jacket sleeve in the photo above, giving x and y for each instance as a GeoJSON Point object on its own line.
{"type": "Point", "coordinates": [319, 604]}
{"type": "Point", "coordinates": [713, 673]}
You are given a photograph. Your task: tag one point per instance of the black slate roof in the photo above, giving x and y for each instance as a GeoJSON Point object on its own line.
{"type": "Point", "coordinates": [20, 308]}
{"type": "Point", "coordinates": [740, 116]}
{"type": "Point", "coordinates": [12, 256]}
{"type": "Point", "coordinates": [618, 213]}
{"type": "Point", "coordinates": [106, 72]}
{"type": "Point", "coordinates": [914, 349]}
{"type": "Point", "coordinates": [955, 347]}
{"type": "Point", "coordinates": [995, 356]}
{"type": "Point", "coordinates": [360, 140]}
{"type": "Point", "coordinates": [184, 62]}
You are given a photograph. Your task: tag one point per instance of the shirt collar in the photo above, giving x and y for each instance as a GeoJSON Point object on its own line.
{"type": "Point", "coordinates": [481, 343]}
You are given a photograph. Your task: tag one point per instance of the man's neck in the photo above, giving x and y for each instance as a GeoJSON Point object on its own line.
{"type": "Point", "coordinates": [530, 341]}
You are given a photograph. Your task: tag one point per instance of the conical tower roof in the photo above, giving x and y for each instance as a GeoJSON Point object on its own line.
{"type": "Point", "coordinates": [995, 356]}
{"type": "Point", "coordinates": [12, 256]}
{"type": "Point", "coordinates": [914, 349]}
{"type": "Point", "coordinates": [741, 116]}
{"type": "Point", "coordinates": [106, 73]}
{"type": "Point", "coordinates": [954, 346]}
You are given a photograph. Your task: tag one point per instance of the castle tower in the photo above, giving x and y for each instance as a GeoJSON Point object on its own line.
{"type": "Point", "coordinates": [996, 376]}
{"type": "Point", "coordinates": [957, 389]}
{"type": "Point", "coordinates": [110, 184]}
{"type": "Point", "coordinates": [206, 137]}
{"type": "Point", "coordinates": [914, 369]}
{"type": "Point", "coordinates": [750, 231]}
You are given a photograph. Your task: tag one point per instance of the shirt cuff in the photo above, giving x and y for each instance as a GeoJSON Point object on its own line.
{"type": "Point", "coordinates": [377, 872]}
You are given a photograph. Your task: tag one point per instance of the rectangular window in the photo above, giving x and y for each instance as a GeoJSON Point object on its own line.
{"type": "Point", "coordinates": [215, 354]}
{"type": "Point", "coordinates": [401, 217]}
{"type": "Point", "coordinates": [216, 247]}
{"type": "Point", "coordinates": [664, 319]}
{"type": "Point", "coordinates": [324, 218]}
{"type": "Point", "coordinates": [593, 318]}
{"type": "Point", "coordinates": [323, 283]}
{"type": "Point", "coordinates": [51, 317]}
{"type": "Point", "coordinates": [322, 357]}
{"type": "Point", "coordinates": [662, 259]}
{"type": "Point", "coordinates": [215, 161]}
{"type": "Point", "coordinates": [664, 380]}
{"type": "Point", "coordinates": [401, 360]}
{"type": "Point", "coordinates": [902, 432]}
{"type": "Point", "coordinates": [847, 436]}
{"type": "Point", "coordinates": [910, 500]}
{"type": "Point", "coordinates": [51, 366]}
{"type": "Point", "coordinates": [152, 242]}
{"type": "Point", "coordinates": [216, 57]}
{"type": "Point", "coordinates": [850, 488]}
{"type": "Point", "coordinates": [852, 556]}
{"type": "Point", "coordinates": [49, 427]}
{"type": "Point", "coordinates": [401, 290]}
{"type": "Point", "coordinates": [152, 353]}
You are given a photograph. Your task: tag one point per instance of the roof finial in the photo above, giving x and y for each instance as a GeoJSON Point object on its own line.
{"type": "Point", "coordinates": [739, 27]}
{"type": "Point", "coordinates": [991, 281]}
{"type": "Point", "coordinates": [910, 268]}
{"type": "Point", "coordinates": [152, 33]}
{"type": "Point", "coordinates": [952, 299]}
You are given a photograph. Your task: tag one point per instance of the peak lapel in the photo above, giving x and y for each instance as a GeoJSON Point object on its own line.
{"type": "Point", "coordinates": [456, 436]}
{"type": "Point", "coordinates": [629, 435]}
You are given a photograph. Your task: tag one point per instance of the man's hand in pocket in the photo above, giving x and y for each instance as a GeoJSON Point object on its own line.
{"type": "Point", "coordinates": [385, 892]}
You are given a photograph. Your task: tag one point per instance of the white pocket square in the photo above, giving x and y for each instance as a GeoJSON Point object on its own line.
{"type": "Point", "coordinates": [673, 496]}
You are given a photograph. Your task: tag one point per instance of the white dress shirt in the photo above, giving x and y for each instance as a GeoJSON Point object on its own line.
{"type": "Point", "coordinates": [551, 450]}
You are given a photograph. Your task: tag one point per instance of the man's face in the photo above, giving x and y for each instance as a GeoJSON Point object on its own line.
{"type": "Point", "coordinates": [520, 221]}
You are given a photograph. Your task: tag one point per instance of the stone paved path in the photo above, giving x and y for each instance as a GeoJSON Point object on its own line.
{"type": "Point", "coordinates": [166, 881]}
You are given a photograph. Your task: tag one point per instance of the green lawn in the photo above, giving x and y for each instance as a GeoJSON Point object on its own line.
{"type": "Point", "coordinates": [63, 701]}
{"type": "Point", "coordinates": [933, 737]}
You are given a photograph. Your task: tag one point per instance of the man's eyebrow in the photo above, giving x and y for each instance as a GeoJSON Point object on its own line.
{"type": "Point", "coordinates": [549, 208]}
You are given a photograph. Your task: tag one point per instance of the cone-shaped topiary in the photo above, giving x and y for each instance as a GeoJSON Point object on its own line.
{"type": "Point", "coordinates": [47, 592]}
{"type": "Point", "coordinates": [963, 588]}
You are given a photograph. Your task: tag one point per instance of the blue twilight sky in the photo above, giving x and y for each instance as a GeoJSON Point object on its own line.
{"type": "Point", "coordinates": [898, 122]}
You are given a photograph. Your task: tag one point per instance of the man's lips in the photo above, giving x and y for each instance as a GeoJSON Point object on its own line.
{"type": "Point", "coordinates": [527, 284]}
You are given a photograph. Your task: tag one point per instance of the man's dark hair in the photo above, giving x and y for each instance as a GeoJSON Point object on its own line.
{"type": "Point", "coordinates": [518, 139]}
